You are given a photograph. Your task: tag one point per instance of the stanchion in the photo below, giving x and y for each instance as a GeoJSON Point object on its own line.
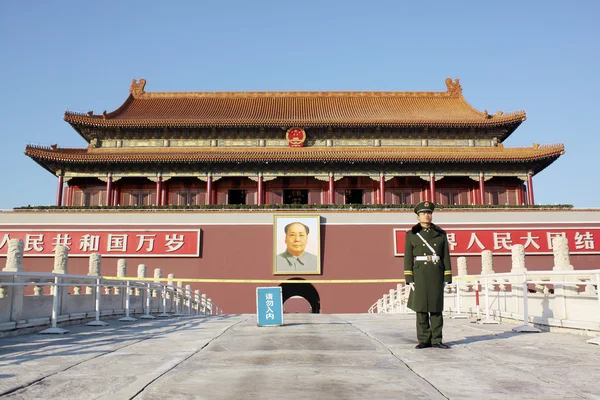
{"type": "Point", "coordinates": [164, 303]}
{"type": "Point", "coordinates": [596, 340]}
{"type": "Point", "coordinates": [478, 308]}
{"type": "Point", "coordinates": [176, 300]}
{"type": "Point", "coordinates": [458, 314]}
{"type": "Point", "coordinates": [147, 315]}
{"type": "Point", "coordinates": [97, 321]}
{"type": "Point", "coordinates": [54, 329]}
{"type": "Point", "coordinates": [127, 318]}
{"type": "Point", "coordinates": [525, 327]}
{"type": "Point", "coordinates": [487, 319]}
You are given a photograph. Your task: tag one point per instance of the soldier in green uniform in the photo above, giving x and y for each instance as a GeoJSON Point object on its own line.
{"type": "Point", "coordinates": [427, 270]}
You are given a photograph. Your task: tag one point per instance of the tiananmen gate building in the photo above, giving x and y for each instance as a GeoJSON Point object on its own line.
{"type": "Point", "coordinates": [200, 185]}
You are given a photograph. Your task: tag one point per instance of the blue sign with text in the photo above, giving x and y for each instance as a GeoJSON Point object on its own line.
{"type": "Point", "coordinates": [269, 306]}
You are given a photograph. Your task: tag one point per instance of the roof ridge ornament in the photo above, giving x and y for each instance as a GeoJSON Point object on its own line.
{"type": "Point", "coordinates": [454, 88]}
{"type": "Point", "coordinates": [137, 88]}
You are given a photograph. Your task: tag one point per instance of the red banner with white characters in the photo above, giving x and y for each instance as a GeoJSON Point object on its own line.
{"type": "Point", "coordinates": [109, 243]}
{"type": "Point", "coordinates": [465, 241]}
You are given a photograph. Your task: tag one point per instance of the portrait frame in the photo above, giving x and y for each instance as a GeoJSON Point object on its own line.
{"type": "Point", "coordinates": [309, 262]}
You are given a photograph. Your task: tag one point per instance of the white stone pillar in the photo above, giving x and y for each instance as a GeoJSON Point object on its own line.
{"type": "Point", "coordinates": [463, 270]}
{"type": "Point", "coordinates": [170, 278]}
{"type": "Point", "coordinates": [562, 259]}
{"type": "Point", "coordinates": [392, 296]}
{"type": "Point", "coordinates": [179, 298]}
{"type": "Point", "coordinates": [61, 260]}
{"type": "Point", "coordinates": [14, 263]}
{"type": "Point", "coordinates": [141, 273]}
{"type": "Point", "coordinates": [487, 262]}
{"type": "Point", "coordinates": [93, 269]}
{"type": "Point", "coordinates": [518, 267]}
{"type": "Point", "coordinates": [461, 263]}
{"type": "Point", "coordinates": [562, 291]}
{"type": "Point", "coordinates": [121, 272]}
{"type": "Point", "coordinates": [14, 256]}
{"type": "Point", "coordinates": [189, 296]}
{"type": "Point", "coordinates": [487, 265]}
{"type": "Point", "coordinates": [197, 300]}
{"type": "Point", "coordinates": [157, 276]}
{"type": "Point", "coordinates": [204, 308]}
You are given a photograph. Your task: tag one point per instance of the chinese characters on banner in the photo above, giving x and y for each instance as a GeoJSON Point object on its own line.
{"type": "Point", "coordinates": [109, 243]}
{"type": "Point", "coordinates": [499, 241]}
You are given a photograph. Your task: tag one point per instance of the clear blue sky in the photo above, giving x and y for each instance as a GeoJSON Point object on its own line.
{"type": "Point", "coordinates": [539, 56]}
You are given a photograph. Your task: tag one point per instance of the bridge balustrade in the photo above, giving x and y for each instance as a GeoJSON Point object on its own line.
{"type": "Point", "coordinates": [34, 300]}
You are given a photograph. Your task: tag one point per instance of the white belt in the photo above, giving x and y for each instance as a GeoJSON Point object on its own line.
{"type": "Point", "coordinates": [427, 258]}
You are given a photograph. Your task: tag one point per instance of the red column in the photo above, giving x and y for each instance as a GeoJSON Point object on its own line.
{"type": "Point", "coordinates": [67, 199]}
{"type": "Point", "coordinates": [209, 190]}
{"type": "Point", "coordinates": [530, 200]}
{"type": "Point", "coordinates": [115, 197]}
{"type": "Point", "coordinates": [432, 188]}
{"type": "Point", "coordinates": [331, 190]}
{"type": "Point", "coordinates": [520, 194]}
{"type": "Point", "coordinates": [158, 191]}
{"type": "Point", "coordinates": [260, 190]}
{"type": "Point", "coordinates": [163, 195]}
{"type": "Point", "coordinates": [481, 189]}
{"type": "Point", "coordinates": [59, 191]}
{"type": "Point", "coordinates": [381, 190]}
{"type": "Point", "coordinates": [109, 191]}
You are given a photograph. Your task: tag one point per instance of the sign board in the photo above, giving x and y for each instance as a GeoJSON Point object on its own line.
{"type": "Point", "coordinates": [269, 306]}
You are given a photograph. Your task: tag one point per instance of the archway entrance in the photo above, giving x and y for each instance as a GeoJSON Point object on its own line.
{"type": "Point", "coordinates": [304, 290]}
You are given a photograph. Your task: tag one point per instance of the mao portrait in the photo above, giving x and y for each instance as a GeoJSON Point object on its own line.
{"type": "Point", "coordinates": [296, 245]}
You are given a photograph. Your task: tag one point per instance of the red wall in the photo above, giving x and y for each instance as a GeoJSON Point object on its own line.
{"type": "Point", "coordinates": [351, 251]}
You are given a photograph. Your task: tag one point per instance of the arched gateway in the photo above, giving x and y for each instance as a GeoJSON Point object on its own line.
{"type": "Point", "coordinates": [304, 290]}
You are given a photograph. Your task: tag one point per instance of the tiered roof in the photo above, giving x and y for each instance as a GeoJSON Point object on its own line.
{"type": "Point", "coordinates": [306, 109]}
{"type": "Point", "coordinates": [293, 109]}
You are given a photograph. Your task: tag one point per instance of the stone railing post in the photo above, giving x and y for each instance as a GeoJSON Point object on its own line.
{"type": "Point", "coordinates": [204, 303]}
{"type": "Point", "coordinates": [94, 269]}
{"type": "Point", "coordinates": [157, 276]}
{"type": "Point", "coordinates": [121, 272]}
{"type": "Point", "coordinates": [14, 263]}
{"type": "Point", "coordinates": [487, 265]}
{"type": "Point", "coordinates": [14, 256]}
{"type": "Point", "coordinates": [189, 296]}
{"type": "Point", "coordinates": [197, 300]}
{"type": "Point", "coordinates": [141, 273]}
{"type": "Point", "coordinates": [61, 266]}
{"type": "Point", "coordinates": [61, 260]}
{"type": "Point", "coordinates": [179, 298]}
{"type": "Point", "coordinates": [562, 262]}
{"type": "Point", "coordinates": [463, 270]}
{"type": "Point", "coordinates": [392, 296]}
{"type": "Point", "coordinates": [518, 267]}
{"type": "Point", "coordinates": [170, 278]}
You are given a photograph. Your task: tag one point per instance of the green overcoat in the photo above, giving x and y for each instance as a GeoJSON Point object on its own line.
{"type": "Point", "coordinates": [428, 276]}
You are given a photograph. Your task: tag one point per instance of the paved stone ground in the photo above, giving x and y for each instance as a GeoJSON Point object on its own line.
{"type": "Point", "coordinates": [313, 356]}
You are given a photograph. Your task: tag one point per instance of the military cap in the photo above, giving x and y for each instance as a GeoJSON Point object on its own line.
{"type": "Point", "coordinates": [424, 206]}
